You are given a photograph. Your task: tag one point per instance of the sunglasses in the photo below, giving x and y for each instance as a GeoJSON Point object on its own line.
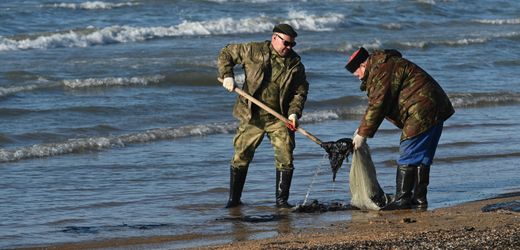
{"type": "Point", "coordinates": [286, 43]}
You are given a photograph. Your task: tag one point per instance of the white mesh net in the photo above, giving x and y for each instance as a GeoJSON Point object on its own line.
{"type": "Point", "coordinates": [364, 187]}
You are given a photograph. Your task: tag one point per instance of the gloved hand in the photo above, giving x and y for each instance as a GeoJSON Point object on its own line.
{"type": "Point", "coordinates": [229, 83]}
{"type": "Point", "coordinates": [358, 141]}
{"type": "Point", "coordinates": [294, 122]}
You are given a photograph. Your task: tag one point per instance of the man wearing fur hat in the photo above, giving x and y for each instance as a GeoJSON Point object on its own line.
{"type": "Point", "coordinates": [275, 75]}
{"type": "Point", "coordinates": [412, 100]}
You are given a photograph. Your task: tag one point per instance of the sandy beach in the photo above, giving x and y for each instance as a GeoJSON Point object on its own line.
{"type": "Point", "coordinates": [465, 226]}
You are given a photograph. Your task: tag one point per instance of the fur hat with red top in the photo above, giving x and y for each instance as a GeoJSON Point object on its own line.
{"type": "Point", "coordinates": [357, 58]}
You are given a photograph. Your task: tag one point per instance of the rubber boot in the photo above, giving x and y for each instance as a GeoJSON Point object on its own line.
{"type": "Point", "coordinates": [422, 180]}
{"type": "Point", "coordinates": [405, 180]}
{"type": "Point", "coordinates": [283, 184]}
{"type": "Point", "coordinates": [237, 179]}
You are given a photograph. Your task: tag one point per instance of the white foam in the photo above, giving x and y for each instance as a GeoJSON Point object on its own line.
{"type": "Point", "coordinates": [466, 41]}
{"type": "Point", "coordinates": [483, 99]}
{"type": "Point", "coordinates": [100, 143]}
{"type": "Point", "coordinates": [318, 116]}
{"type": "Point", "coordinates": [431, 2]}
{"type": "Point", "coordinates": [247, 1]}
{"type": "Point", "coordinates": [416, 44]}
{"type": "Point", "coordinates": [93, 5]}
{"type": "Point", "coordinates": [123, 34]}
{"type": "Point", "coordinates": [392, 26]}
{"type": "Point", "coordinates": [325, 115]}
{"type": "Point", "coordinates": [13, 90]}
{"type": "Point", "coordinates": [370, 46]}
{"type": "Point", "coordinates": [41, 83]}
{"type": "Point", "coordinates": [84, 83]}
{"type": "Point", "coordinates": [112, 81]}
{"type": "Point", "coordinates": [499, 21]}
{"type": "Point", "coordinates": [301, 20]}
{"type": "Point", "coordinates": [460, 42]}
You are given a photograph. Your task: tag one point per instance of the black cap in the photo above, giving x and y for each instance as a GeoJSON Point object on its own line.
{"type": "Point", "coordinates": [357, 58]}
{"type": "Point", "coordinates": [285, 29]}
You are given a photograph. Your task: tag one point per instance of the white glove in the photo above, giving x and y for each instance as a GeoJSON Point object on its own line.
{"type": "Point", "coordinates": [358, 141]}
{"type": "Point", "coordinates": [294, 119]}
{"type": "Point", "coordinates": [229, 83]}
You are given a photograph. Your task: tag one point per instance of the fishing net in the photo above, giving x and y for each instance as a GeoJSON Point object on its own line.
{"type": "Point", "coordinates": [338, 152]}
{"type": "Point", "coordinates": [364, 187]}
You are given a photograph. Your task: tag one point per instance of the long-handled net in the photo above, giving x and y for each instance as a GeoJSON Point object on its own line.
{"type": "Point", "coordinates": [363, 177]}
{"type": "Point", "coordinates": [338, 151]}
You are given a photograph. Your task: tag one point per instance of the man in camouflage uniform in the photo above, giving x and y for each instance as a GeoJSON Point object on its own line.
{"type": "Point", "coordinates": [412, 100]}
{"type": "Point", "coordinates": [274, 75]}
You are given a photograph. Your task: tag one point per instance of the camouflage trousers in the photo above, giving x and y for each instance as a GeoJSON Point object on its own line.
{"type": "Point", "coordinates": [250, 134]}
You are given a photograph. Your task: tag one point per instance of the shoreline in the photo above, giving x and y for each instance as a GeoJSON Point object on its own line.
{"type": "Point", "coordinates": [461, 226]}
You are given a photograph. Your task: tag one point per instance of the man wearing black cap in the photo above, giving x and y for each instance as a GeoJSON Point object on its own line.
{"type": "Point", "coordinates": [410, 98]}
{"type": "Point", "coordinates": [274, 75]}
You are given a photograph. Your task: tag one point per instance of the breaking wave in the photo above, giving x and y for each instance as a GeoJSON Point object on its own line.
{"type": "Point", "coordinates": [377, 44]}
{"type": "Point", "coordinates": [350, 107]}
{"type": "Point", "coordinates": [457, 42]}
{"type": "Point", "coordinates": [91, 5]}
{"type": "Point", "coordinates": [123, 34]}
{"type": "Point", "coordinates": [461, 100]}
{"type": "Point", "coordinates": [345, 108]}
{"type": "Point", "coordinates": [498, 21]}
{"type": "Point", "coordinates": [100, 143]}
{"type": "Point", "coordinates": [84, 83]}
{"type": "Point", "coordinates": [112, 81]}
{"type": "Point", "coordinates": [13, 90]}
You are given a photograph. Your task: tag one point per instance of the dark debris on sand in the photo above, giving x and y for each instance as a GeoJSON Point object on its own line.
{"type": "Point", "coordinates": [317, 207]}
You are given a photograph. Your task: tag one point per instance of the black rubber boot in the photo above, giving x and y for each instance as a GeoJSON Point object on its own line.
{"type": "Point", "coordinates": [422, 180]}
{"type": "Point", "coordinates": [283, 184]}
{"type": "Point", "coordinates": [405, 180]}
{"type": "Point", "coordinates": [237, 179]}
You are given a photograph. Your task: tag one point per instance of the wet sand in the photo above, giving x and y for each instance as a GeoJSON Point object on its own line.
{"type": "Point", "coordinates": [462, 226]}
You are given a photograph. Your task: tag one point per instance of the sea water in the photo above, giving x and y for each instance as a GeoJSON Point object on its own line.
{"type": "Point", "coordinates": [113, 123]}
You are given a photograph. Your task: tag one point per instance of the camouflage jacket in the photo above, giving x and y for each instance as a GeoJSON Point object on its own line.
{"type": "Point", "coordinates": [255, 60]}
{"type": "Point", "coordinates": [403, 93]}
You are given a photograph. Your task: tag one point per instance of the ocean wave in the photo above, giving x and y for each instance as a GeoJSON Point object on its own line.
{"type": "Point", "coordinates": [84, 83]}
{"type": "Point", "coordinates": [421, 44]}
{"type": "Point", "coordinates": [318, 116]}
{"type": "Point", "coordinates": [376, 44]}
{"type": "Point", "coordinates": [498, 21]}
{"type": "Point", "coordinates": [123, 34]}
{"type": "Point", "coordinates": [5, 139]}
{"type": "Point", "coordinates": [245, 1]}
{"type": "Point", "coordinates": [191, 78]}
{"type": "Point", "coordinates": [460, 100]}
{"type": "Point", "coordinates": [477, 158]}
{"type": "Point", "coordinates": [91, 5]}
{"type": "Point", "coordinates": [459, 42]}
{"type": "Point", "coordinates": [101, 143]}
{"type": "Point", "coordinates": [348, 107]}
{"type": "Point", "coordinates": [13, 90]}
{"type": "Point", "coordinates": [112, 81]}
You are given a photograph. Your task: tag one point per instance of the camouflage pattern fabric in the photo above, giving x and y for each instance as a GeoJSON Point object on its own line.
{"type": "Point", "coordinates": [278, 82]}
{"type": "Point", "coordinates": [403, 93]}
{"type": "Point", "coordinates": [255, 58]}
{"type": "Point", "coordinates": [249, 135]}
{"type": "Point", "coordinates": [269, 91]}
